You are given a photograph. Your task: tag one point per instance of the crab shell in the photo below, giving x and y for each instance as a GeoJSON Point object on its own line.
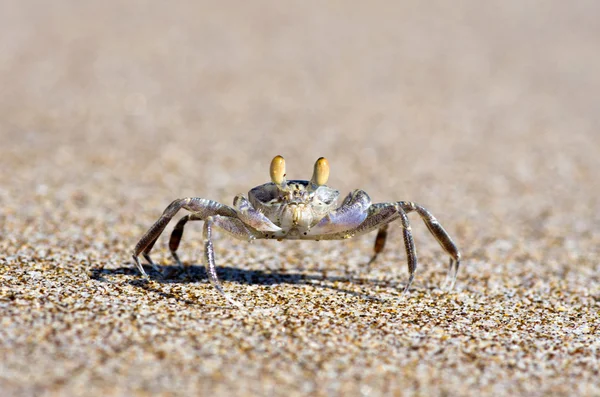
{"type": "Point", "coordinates": [299, 205]}
{"type": "Point", "coordinates": [298, 208]}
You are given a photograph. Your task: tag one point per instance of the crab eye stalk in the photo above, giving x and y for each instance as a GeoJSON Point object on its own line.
{"type": "Point", "coordinates": [278, 170]}
{"type": "Point", "coordinates": [321, 172]}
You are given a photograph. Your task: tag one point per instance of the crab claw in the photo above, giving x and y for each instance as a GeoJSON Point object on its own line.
{"type": "Point", "coordinates": [351, 214]}
{"type": "Point", "coordinates": [252, 217]}
{"type": "Point", "coordinates": [258, 221]}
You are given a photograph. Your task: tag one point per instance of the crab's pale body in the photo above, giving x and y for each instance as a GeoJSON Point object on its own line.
{"type": "Point", "coordinates": [296, 210]}
{"type": "Point", "coordinates": [304, 212]}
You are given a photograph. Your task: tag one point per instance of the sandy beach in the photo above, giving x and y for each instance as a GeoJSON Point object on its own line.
{"type": "Point", "coordinates": [484, 113]}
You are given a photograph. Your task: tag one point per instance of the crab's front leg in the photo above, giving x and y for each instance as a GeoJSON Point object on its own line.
{"type": "Point", "coordinates": [233, 227]}
{"type": "Point", "coordinates": [379, 216]}
{"type": "Point", "coordinates": [442, 237]}
{"type": "Point", "coordinates": [394, 211]}
{"type": "Point", "coordinates": [202, 208]}
{"type": "Point", "coordinates": [244, 211]}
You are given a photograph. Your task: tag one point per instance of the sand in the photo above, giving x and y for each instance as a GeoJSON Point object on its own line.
{"type": "Point", "coordinates": [485, 113]}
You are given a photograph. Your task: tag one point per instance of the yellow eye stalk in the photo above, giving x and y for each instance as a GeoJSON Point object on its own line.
{"type": "Point", "coordinates": [321, 172]}
{"type": "Point", "coordinates": [278, 170]}
{"type": "Point", "coordinates": [319, 177]}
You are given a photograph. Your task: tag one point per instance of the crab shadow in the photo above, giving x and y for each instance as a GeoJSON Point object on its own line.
{"type": "Point", "coordinates": [172, 274]}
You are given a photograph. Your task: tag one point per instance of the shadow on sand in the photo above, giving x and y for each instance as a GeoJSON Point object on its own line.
{"type": "Point", "coordinates": [173, 274]}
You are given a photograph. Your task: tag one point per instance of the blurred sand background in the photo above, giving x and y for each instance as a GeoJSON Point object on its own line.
{"type": "Point", "coordinates": [484, 112]}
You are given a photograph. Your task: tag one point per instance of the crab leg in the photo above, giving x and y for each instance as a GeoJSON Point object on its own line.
{"type": "Point", "coordinates": [177, 233]}
{"type": "Point", "coordinates": [201, 207]}
{"type": "Point", "coordinates": [441, 235]}
{"type": "Point", "coordinates": [379, 242]}
{"type": "Point", "coordinates": [245, 212]}
{"type": "Point", "coordinates": [380, 215]}
{"type": "Point", "coordinates": [409, 246]}
{"type": "Point", "coordinates": [432, 224]}
{"type": "Point", "coordinates": [235, 228]}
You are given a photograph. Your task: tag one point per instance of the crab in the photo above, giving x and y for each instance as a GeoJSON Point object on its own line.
{"type": "Point", "coordinates": [296, 210]}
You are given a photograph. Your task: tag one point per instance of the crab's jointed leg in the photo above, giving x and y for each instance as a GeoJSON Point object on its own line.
{"type": "Point", "coordinates": [434, 227]}
{"type": "Point", "coordinates": [409, 246]}
{"type": "Point", "coordinates": [380, 215]}
{"type": "Point", "coordinates": [233, 227]}
{"type": "Point", "coordinates": [245, 212]}
{"type": "Point", "coordinates": [202, 208]}
{"type": "Point", "coordinates": [379, 242]}
{"type": "Point", "coordinates": [441, 235]}
{"type": "Point", "coordinates": [177, 233]}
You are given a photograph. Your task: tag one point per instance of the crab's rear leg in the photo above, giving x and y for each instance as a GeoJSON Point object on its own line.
{"type": "Point", "coordinates": [379, 242]}
{"type": "Point", "coordinates": [201, 207]}
{"type": "Point", "coordinates": [441, 235]}
{"type": "Point", "coordinates": [177, 233]}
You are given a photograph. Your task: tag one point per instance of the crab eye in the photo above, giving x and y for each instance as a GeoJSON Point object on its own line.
{"type": "Point", "coordinates": [321, 172]}
{"type": "Point", "coordinates": [277, 170]}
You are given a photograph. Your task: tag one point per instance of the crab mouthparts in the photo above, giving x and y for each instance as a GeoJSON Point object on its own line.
{"type": "Point", "coordinates": [296, 215]}
{"type": "Point", "coordinates": [299, 215]}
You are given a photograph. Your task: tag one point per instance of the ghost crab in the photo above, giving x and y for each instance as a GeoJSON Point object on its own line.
{"type": "Point", "coordinates": [293, 210]}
